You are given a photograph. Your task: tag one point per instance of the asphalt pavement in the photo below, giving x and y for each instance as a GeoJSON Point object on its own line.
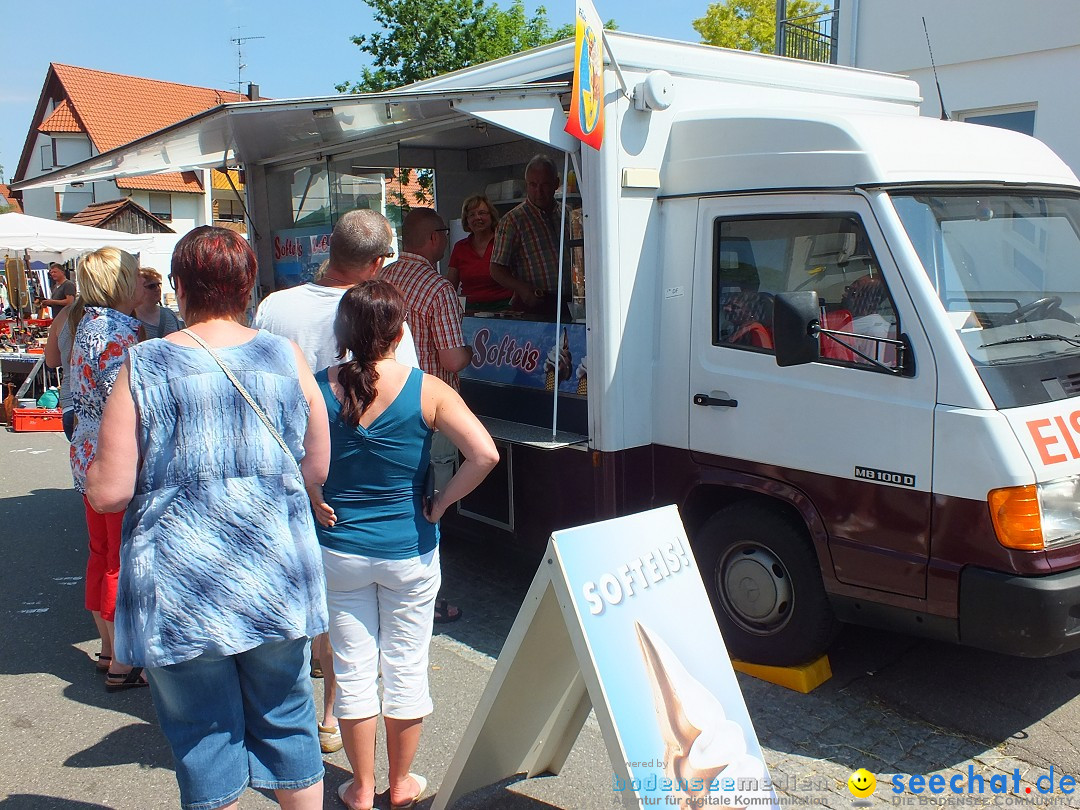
{"type": "Point", "coordinates": [894, 705]}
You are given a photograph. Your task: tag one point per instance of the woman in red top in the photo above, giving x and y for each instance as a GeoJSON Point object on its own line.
{"type": "Point", "coordinates": [470, 260]}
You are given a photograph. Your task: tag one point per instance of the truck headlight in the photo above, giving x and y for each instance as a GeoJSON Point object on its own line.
{"type": "Point", "coordinates": [1037, 516]}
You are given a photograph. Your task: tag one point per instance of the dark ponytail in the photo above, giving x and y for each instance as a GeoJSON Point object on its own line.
{"type": "Point", "coordinates": [369, 320]}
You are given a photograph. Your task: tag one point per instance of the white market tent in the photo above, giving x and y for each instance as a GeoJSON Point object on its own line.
{"type": "Point", "coordinates": [20, 232]}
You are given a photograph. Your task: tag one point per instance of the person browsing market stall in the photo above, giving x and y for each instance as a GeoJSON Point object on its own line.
{"type": "Point", "coordinates": [103, 332]}
{"type": "Point", "coordinates": [209, 441]}
{"type": "Point", "coordinates": [63, 290]}
{"type": "Point", "coordinates": [435, 313]}
{"type": "Point", "coordinates": [157, 321]}
{"type": "Point", "coordinates": [380, 534]}
{"type": "Point", "coordinates": [359, 244]}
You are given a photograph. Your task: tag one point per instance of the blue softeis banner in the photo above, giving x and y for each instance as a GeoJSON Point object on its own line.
{"type": "Point", "coordinates": [298, 252]}
{"type": "Point", "coordinates": [670, 688]}
{"type": "Point", "coordinates": [530, 354]}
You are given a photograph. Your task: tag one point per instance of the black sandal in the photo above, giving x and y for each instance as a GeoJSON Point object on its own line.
{"type": "Point", "coordinates": [445, 613]}
{"type": "Point", "coordinates": [115, 682]}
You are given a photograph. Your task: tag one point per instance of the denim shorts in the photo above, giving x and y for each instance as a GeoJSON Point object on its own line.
{"type": "Point", "coordinates": [239, 720]}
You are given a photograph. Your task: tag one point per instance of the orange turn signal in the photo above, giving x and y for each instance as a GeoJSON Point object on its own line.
{"type": "Point", "coordinates": [1014, 512]}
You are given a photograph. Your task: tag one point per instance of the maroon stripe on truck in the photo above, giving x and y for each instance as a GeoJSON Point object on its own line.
{"type": "Point", "coordinates": [873, 540]}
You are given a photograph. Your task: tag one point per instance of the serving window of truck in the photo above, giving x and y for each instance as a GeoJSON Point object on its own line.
{"type": "Point", "coordinates": [528, 379]}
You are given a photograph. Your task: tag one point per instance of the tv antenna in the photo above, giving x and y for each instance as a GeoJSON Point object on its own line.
{"type": "Point", "coordinates": [941, 100]}
{"type": "Point", "coordinates": [239, 40]}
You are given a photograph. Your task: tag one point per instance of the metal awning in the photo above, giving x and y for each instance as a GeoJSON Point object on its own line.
{"type": "Point", "coordinates": [261, 132]}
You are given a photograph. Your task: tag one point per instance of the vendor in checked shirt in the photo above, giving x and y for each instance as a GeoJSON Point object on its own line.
{"type": "Point", "coordinates": [525, 258]}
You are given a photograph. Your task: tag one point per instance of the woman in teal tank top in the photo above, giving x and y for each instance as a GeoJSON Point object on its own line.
{"type": "Point", "coordinates": [379, 533]}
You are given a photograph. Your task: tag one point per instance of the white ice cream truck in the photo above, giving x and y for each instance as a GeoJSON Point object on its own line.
{"type": "Point", "coordinates": [840, 336]}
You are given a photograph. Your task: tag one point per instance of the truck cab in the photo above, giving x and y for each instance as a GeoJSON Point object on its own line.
{"type": "Point", "coordinates": [918, 471]}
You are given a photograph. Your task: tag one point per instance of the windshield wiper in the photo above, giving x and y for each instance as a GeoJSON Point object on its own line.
{"type": "Point", "coordinates": [1073, 341]}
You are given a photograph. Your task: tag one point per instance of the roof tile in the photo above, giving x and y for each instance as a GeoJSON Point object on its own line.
{"type": "Point", "coordinates": [117, 109]}
{"type": "Point", "coordinates": [7, 198]}
{"type": "Point", "coordinates": [186, 182]}
{"type": "Point", "coordinates": [61, 119]}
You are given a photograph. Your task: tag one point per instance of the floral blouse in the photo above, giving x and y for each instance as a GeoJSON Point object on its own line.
{"type": "Point", "coordinates": [101, 342]}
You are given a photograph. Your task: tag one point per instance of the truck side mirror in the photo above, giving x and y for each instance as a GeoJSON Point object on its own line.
{"type": "Point", "coordinates": [795, 339]}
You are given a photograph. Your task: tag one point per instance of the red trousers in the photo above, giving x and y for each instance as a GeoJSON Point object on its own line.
{"type": "Point", "coordinates": [103, 567]}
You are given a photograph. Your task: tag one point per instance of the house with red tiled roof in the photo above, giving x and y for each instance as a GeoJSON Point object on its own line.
{"type": "Point", "coordinates": [82, 112]}
{"type": "Point", "coordinates": [8, 202]}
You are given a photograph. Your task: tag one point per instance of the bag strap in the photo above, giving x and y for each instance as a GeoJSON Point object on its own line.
{"type": "Point", "coordinates": [243, 392]}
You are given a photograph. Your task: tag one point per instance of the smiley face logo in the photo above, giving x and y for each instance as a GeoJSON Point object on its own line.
{"type": "Point", "coordinates": [862, 783]}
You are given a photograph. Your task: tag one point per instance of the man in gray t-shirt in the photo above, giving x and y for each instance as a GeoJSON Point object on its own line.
{"type": "Point", "coordinates": [63, 290]}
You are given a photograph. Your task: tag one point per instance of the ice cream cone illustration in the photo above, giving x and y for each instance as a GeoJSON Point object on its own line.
{"type": "Point", "coordinates": [582, 373]}
{"type": "Point", "coordinates": [559, 363]}
{"type": "Point", "coordinates": [700, 742]}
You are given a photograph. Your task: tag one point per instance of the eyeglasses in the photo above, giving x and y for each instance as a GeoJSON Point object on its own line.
{"type": "Point", "coordinates": [172, 280]}
{"type": "Point", "coordinates": [153, 285]}
{"type": "Point", "coordinates": [442, 229]}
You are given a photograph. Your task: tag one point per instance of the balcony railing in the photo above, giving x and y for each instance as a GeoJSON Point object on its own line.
{"type": "Point", "coordinates": [810, 36]}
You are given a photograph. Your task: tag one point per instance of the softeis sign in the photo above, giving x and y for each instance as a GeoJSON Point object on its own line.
{"type": "Point", "coordinates": [617, 620]}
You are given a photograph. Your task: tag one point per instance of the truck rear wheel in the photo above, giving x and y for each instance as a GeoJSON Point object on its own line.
{"type": "Point", "coordinates": [765, 584]}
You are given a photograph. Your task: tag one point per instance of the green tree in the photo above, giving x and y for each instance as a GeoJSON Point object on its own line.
{"type": "Point", "coordinates": [748, 25]}
{"type": "Point", "coordinates": [420, 39]}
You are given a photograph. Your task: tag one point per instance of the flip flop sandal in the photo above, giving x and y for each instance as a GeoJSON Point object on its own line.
{"type": "Point", "coordinates": [342, 788]}
{"type": "Point", "coordinates": [103, 662]}
{"type": "Point", "coordinates": [421, 783]}
{"type": "Point", "coordinates": [445, 613]}
{"type": "Point", "coordinates": [129, 680]}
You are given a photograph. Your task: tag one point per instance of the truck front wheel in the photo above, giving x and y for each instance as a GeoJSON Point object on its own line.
{"type": "Point", "coordinates": [765, 584]}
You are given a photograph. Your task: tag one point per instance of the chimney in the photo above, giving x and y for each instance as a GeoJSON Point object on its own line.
{"type": "Point", "coordinates": [253, 92]}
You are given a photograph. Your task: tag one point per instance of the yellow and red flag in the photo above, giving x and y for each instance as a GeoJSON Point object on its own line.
{"type": "Point", "coordinates": [586, 121]}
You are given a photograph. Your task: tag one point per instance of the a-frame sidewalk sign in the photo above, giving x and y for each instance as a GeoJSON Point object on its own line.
{"type": "Point", "coordinates": [617, 620]}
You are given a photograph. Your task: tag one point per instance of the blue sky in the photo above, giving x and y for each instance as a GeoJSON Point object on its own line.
{"type": "Point", "coordinates": [305, 52]}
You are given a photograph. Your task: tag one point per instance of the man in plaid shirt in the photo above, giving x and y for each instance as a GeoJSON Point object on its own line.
{"type": "Point", "coordinates": [435, 318]}
{"type": "Point", "coordinates": [434, 310]}
{"type": "Point", "coordinates": [525, 258]}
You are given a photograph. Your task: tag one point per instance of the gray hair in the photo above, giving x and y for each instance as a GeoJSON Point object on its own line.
{"type": "Point", "coordinates": [545, 161]}
{"type": "Point", "coordinates": [359, 237]}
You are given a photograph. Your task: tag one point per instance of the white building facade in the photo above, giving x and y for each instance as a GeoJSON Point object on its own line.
{"type": "Point", "coordinates": [1002, 63]}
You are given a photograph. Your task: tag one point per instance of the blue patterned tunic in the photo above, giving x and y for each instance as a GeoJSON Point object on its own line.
{"type": "Point", "coordinates": [219, 552]}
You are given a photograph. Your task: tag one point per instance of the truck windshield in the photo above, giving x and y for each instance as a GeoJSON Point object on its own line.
{"type": "Point", "coordinates": [1006, 265]}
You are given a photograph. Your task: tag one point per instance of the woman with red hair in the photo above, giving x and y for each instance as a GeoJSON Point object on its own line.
{"type": "Point", "coordinates": [208, 441]}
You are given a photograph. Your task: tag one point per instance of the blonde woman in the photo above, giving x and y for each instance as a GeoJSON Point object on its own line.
{"type": "Point", "coordinates": [470, 260]}
{"type": "Point", "coordinates": [108, 281]}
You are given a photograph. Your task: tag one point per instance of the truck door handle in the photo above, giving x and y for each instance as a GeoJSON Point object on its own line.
{"type": "Point", "coordinates": [707, 400]}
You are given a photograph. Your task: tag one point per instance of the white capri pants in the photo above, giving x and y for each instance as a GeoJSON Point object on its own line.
{"type": "Point", "coordinates": [381, 618]}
